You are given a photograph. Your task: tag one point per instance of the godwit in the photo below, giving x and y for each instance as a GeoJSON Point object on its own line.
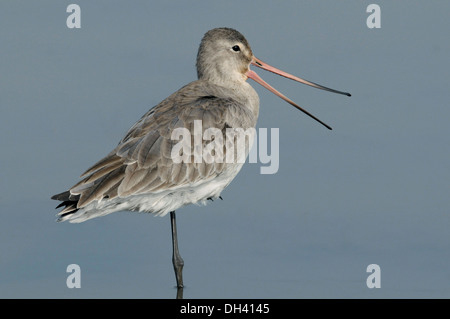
{"type": "Point", "coordinates": [140, 174]}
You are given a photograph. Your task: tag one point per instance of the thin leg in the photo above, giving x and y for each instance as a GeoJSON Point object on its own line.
{"type": "Point", "coordinates": [177, 261]}
{"type": "Point", "coordinates": [180, 293]}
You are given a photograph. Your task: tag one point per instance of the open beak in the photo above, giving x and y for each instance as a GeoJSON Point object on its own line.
{"type": "Point", "coordinates": [252, 75]}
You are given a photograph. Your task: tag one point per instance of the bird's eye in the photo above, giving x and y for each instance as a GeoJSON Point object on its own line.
{"type": "Point", "coordinates": [236, 48]}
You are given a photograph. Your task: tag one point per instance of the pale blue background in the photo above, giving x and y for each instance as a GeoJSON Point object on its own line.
{"type": "Point", "coordinates": [373, 190]}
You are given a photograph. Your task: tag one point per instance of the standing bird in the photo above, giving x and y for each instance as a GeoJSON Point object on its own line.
{"type": "Point", "coordinates": [140, 173]}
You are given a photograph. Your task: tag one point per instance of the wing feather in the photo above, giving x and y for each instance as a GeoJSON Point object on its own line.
{"type": "Point", "coordinates": [100, 187]}
{"type": "Point", "coordinates": [110, 159]}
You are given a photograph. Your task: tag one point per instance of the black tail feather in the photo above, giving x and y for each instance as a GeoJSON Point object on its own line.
{"type": "Point", "coordinates": [64, 196]}
{"type": "Point", "coordinates": [69, 201]}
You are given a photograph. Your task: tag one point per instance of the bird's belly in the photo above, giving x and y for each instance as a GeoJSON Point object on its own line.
{"type": "Point", "coordinates": [169, 200]}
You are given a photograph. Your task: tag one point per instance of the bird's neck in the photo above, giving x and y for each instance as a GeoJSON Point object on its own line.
{"type": "Point", "coordinates": [225, 79]}
{"type": "Point", "coordinates": [238, 90]}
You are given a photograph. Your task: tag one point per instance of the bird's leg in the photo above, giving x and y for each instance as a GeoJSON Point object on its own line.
{"type": "Point", "coordinates": [177, 261]}
{"type": "Point", "coordinates": [179, 293]}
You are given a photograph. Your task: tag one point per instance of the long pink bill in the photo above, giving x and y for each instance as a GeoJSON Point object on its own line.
{"type": "Point", "coordinates": [267, 67]}
{"type": "Point", "coordinates": [252, 75]}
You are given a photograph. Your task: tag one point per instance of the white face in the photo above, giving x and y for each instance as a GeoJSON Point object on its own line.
{"type": "Point", "coordinates": [222, 60]}
{"type": "Point", "coordinates": [236, 59]}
